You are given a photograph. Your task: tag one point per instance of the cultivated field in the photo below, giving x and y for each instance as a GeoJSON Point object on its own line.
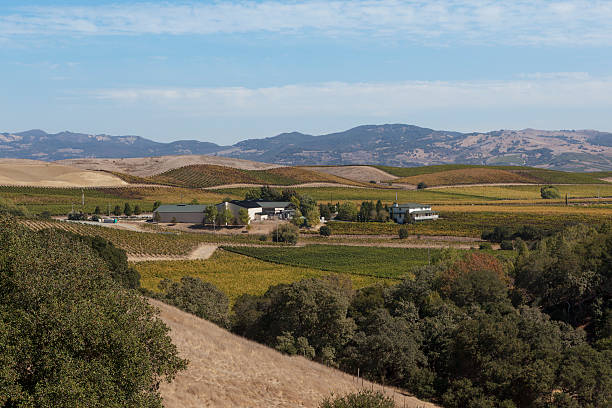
{"type": "Point", "coordinates": [226, 370]}
{"type": "Point", "coordinates": [364, 174]}
{"type": "Point", "coordinates": [234, 274]}
{"type": "Point", "coordinates": [18, 172]}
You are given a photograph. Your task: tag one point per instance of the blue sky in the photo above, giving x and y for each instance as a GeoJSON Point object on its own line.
{"type": "Point", "coordinates": [226, 71]}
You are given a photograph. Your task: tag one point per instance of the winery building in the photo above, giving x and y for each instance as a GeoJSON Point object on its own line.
{"type": "Point", "coordinates": [189, 213]}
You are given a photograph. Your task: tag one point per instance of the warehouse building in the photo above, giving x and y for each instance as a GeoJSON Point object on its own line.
{"type": "Point", "coordinates": [189, 213]}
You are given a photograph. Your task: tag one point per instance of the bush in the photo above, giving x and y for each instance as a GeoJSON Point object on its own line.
{"type": "Point", "coordinates": [286, 233]}
{"type": "Point", "coordinates": [325, 231]}
{"type": "Point", "coordinates": [360, 399]}
{"type": "Point", "coordinates": [69, 335]}
{"type": "Point", "coordinates": [404, 232]}
{"type": "Point", "coordinates": [421, 185]}
{"type": "Point", "coordinates": [549, 192]}
{"type": "Point", "coordinates": [194, 296]}
{"type": "Point", "coordinates": [347, 212]}
{"type": "Point", "coordinates": [484, 246]}
{"type": "Point", "coordinates": [507, 245]}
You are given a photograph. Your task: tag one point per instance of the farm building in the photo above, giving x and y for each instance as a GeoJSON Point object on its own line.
{"type": "Point", "coordinates": [259, 210]}
{"type": "Point", "coordinates": [403, 213]}
{"type": "Point", "coordinates": [189, 213]}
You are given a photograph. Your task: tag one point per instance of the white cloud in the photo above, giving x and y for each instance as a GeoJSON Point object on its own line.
{"type": "Point", "coordinates": [514, 22]}
{"type": "Point", "coordinates": [540, 91]}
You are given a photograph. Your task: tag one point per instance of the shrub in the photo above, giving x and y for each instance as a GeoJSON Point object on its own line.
{"type": "Point", "coordinates": [549, 192]}
{"type": "Point", "coordinates": [404, 232]}
{"type": "Point", "coordinates": [485, 246]}
{"type": "Point", "coordinates": [421, 185]}
{"type": "Point", "coordinates": [286, 233]}
{"type": "Point", "coordinates": [507, 245]}
{"type": "Point", "coordinates": [360, 399]}
{"type": "Point", "coordinates": [202, 299]}
{"type": "Point", "coordinates": [325, 231]}
{"type": "Point", "coordinates": [127, 209]}
{"type": "Point", "coordinates": [137, 210]}
{"type": "Point", "coordinates": [263, 238]}
{"type": "Point", "coordinates": [117, 211]}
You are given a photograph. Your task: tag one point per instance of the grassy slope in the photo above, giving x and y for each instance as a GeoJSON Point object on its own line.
{"type": "Point", "coordinates": [226, 370]}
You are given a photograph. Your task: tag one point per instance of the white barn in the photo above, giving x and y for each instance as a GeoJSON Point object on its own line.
{"type": "Point", "coordinates": [405, 213]}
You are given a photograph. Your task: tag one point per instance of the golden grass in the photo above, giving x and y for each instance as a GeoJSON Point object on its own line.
{"type": "Point", "coordinates": [226, 370]}
{"type": "Point", "coordinates": [528, 209]}
{"type": "Point", "coordinates": [235, 274]}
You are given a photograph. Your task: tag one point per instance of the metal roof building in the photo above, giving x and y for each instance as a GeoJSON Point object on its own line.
{"type": "Point", "coordinates": [191, 213]}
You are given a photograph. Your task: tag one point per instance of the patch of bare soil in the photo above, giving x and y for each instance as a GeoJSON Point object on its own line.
{"type": "Point", "coordinates": [203, 251]}
{"type": "Point", "coordinates": [149, 166]}
{"type": "Point", "coordinates": [609, 179]}
{"type": "Point", "coordinates": [20, 172]}
{"type": "Point", "coordinates": [226, 370]}
{"type": "Point", "coordinates": [364, 174]}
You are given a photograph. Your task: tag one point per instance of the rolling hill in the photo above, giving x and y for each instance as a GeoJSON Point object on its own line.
{"type": "Point", "coordinates": [397, 145]}
{"type": "Point", "coordinates": [226, 370]}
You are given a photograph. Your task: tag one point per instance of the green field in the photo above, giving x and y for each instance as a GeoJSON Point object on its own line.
{"type": "Point", "coordinates": [235, 274]}
{"type": "Point", "coordinates": [367, 261]}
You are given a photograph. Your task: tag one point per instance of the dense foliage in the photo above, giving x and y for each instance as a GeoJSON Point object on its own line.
{"type": "Point", "coordinates": [460, 331]}
{"type": "Point", "coordinates": [549, 192]}
{"type": "Point", "coordinates": [286, 233]}
{"type": "Point", "coordinates": [196, 297]}
{"type": "Point", "coordinates": [69, 335]}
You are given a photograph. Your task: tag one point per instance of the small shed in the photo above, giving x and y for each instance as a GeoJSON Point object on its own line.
{"type": "Point", "coordinates": [189, 213]}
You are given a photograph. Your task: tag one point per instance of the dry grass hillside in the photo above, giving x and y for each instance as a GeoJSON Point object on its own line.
{"type": "Point", "coordinates": [23, 172]}
{"type": "Point", "coordinates": [226, 370]}
{"type": "Point", "coordinates": [364, 174]}
{"type": "Point", "coordinates": [149, 166]}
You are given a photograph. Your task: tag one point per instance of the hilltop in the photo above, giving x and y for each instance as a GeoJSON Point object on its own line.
{"type": "Point", "coordinates": [398, 145]}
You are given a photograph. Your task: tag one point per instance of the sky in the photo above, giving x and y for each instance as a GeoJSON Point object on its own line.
{"type": "Point", "coordinates": [224, 71]}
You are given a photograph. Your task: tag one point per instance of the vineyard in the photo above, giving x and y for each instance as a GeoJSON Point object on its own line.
{"type": "Point", "coordinates": [471, 221]}
{"type": "Point", "coordinates": [368, 261]}
{"type": "Point", "coordinates": [204, 175]}
{"type": "Point", "coordinates": [233, 273]}
{"type": "Point", "coordinates": [144, 244]}
{"type": "Point", "coordinates": [465, 174]}
{"type": "Point", "coordinates": [60, 201]}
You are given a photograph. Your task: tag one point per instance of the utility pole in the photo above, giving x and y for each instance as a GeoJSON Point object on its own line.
{"type": "Point", "coordinates": [82, 198]}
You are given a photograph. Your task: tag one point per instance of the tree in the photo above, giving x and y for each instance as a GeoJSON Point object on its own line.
{"type": "Point", "coordinates": [127, 209]}
{"type": "Point", "coordinates": [286, 233]}
{"type": "Point", "coordinates": [97, 210]}
{"type": "Point", "coordinates": [325, 231]}
{"type": "Point", "coordinates": [69, 335]}
{"type": "Point", "coordinates": [137, 210]}
{"type": "Point", "coordinates": [156, 216]}
{"type": "Point", "coordinates": [211, 214]}
{"type": "Point", "coordinates": [421, 185]}
{"type": "Point", "coordinates": [313, 217]}
{"type": "Point", "coordinates": [225, 217]}
{"type": "Point", "coordinates": [549, 192]}
{"type": "Point", "coordinates": [404, 232]}
{"type": "Point", "coordinates": [156, 204]}
{"type": "Point", "coordinates": [347, 212]}
{"type": "Point", "coordinates": [325, 211]}
{"type": "Point", "coordinates": [243, 216]}
{"type": "Point", "coordinates": [200, 298]}
{"type": "Point", "coordinates": [117, 210]}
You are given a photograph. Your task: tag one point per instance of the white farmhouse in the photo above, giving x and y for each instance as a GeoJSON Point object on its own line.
{"type": "Point", "coordinates": [406, 213]}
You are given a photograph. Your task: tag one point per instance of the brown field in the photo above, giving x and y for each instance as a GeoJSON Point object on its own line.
{"type": "Point", "coordinates": [364, 174]}
{"type": "Point", "coordinates": [18, 172]}
{"type": "Point", "coordinates": [226, 370]}
{"type": "Point", "coordinates": [466, 176]}
{"type": "Point", "coordinates": [148, 166]}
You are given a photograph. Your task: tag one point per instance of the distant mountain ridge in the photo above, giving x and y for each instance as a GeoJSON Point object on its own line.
{"type": "Point", "coordinates": [390, 144]}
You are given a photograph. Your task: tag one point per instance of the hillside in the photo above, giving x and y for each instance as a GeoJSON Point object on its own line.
{"type": "Point", "coordinates": [390, 144]}
{"type": "Point", "coordinates": [200, 176]}
{"type": "Point", "coordinates": [18, 172]}
{"type": "Point", "coordinates": [226, 370]}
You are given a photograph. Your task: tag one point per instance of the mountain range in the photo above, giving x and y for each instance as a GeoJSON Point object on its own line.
{"type": "Point", "coordinates": [390, 144]}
